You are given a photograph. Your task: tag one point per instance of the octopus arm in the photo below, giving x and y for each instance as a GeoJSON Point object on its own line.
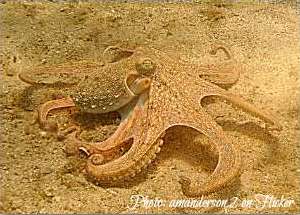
{"type": "Point", "coordinates": [45, 108]}
{"type": "Point", "coordinates": [155, 117]}
{"type": "Point", "coordinates": [229, 158]}
{"type": "Point", "coordinates": [208, 89]}
{"type": "Point", "coordinates": [141, 153]}
{"type": "Point", "coordinates": [65, 75]}
{"type": "Point", "coordinates": [228, 166]}
{"type": "Point", "coordinates": [225, 74]}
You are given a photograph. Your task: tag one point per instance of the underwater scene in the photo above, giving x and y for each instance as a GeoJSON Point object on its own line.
{"type": "Point", "coordinates": [149, 107]}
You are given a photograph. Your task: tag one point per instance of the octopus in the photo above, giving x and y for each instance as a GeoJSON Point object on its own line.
{"type": "Point", "coordinates": [152, 92]}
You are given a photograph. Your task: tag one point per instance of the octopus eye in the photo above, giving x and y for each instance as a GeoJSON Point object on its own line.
{"type": "Point", "coordinates": [145, 66]}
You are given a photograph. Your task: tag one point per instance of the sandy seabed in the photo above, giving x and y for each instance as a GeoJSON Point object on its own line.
{"type": "Point", "coordinates": [37, 176]}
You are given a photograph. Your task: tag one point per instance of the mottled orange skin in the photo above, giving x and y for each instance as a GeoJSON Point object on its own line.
{"type": "Point", "coordinates": [172, 98]}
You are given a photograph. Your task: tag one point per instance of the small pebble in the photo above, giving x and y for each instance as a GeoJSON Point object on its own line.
{"type": "Point", "coordinates": [10, 72]}
{"type": "Point", "coordinates": [43, 133]}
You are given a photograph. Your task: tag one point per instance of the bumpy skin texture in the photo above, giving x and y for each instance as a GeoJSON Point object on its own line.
{"type": "Point", "coordinates": [172, 98]}
{"type": "Point", "coordinates": [105, 90]}
{"type": "Point", "coordinates": [92, 87]}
